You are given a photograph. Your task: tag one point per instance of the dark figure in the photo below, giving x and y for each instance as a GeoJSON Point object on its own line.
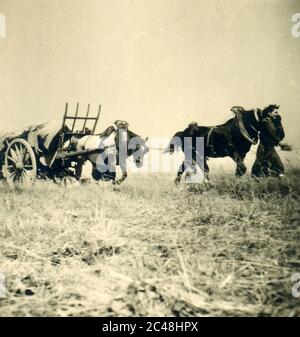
{"type": "Point", "coordinates": [268, 162]}
{"type": "Point", "coordinates": [233, 139]}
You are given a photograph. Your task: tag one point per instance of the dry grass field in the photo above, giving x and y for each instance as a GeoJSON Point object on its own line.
{"type": "Point", "coordinates": [148, 248]}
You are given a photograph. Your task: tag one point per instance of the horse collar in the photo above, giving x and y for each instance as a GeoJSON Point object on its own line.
{"type": "Point", "coordinates": [241, 126]}
{"type": "Point", "coordinates": [256, 115]}
{"type": "Point", "coordinates": [252, 127]}
{"type": "Point", "coordinates": [209, 136]}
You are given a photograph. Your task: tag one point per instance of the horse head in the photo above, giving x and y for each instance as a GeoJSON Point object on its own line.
{"type": "Point", "coordinates": [137, 148]}
{"type": "Point", "coordinates": [252, 122]}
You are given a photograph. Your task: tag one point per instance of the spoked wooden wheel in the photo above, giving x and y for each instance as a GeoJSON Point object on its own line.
{"type": "Point", "coordinates": [20, 163]}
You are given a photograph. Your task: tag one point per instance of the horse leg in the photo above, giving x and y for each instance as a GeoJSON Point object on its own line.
{"type": "Point", "coordinates": [119, 181]}
{"type": "Point", "coordinates": [123, 167]}
{"type": "Point", "coordinates": [78, 169]}
{"type": "Point", "coordinates": [240, 166]}
{"type": "Point", "coordinates": [105, 171]}
{"type": "Point", "coordinates": [206, 169]}
{"type": "Point", "coordinates": [202, 164]}
{"type": "Point", "coordinates": [179, 173]}
{"type": "Point", "coordinates": [96, 174]}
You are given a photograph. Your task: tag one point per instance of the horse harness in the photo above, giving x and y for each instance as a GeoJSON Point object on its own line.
{"type": "Point", "coordinates": [238, 111]}
{"type": "Point", "coordinates": [208, 143]}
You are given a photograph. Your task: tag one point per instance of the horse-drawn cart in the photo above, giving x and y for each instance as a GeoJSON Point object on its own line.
{"type": "Point", "coordinates": [45, 150]}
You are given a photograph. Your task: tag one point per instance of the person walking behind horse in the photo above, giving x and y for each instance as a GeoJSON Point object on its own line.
{"type": "Point", "coordinates": [268, 162]}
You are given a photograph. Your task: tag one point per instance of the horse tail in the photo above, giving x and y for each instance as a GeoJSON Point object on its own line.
{"type": "Point", "coordinates": [174, 143]}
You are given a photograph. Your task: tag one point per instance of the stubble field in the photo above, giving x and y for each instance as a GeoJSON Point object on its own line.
{"type": "Point", "coordinates": [149, 248]}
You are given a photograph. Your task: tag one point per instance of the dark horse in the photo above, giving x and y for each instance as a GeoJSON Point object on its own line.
{"type": "Point", "coordinates": [115, 145]}
{"type": "Point", "coordinates": [233, 139]}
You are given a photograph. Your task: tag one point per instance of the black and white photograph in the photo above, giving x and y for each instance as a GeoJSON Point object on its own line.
{"type": "Point", "coordinates": [149, 160]}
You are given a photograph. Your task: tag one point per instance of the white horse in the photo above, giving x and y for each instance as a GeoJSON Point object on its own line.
{"type": "Point", "coordinates": [113, 147]}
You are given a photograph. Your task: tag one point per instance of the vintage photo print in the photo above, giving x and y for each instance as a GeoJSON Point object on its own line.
{"type": "Point", "coordinates": [149, 160]}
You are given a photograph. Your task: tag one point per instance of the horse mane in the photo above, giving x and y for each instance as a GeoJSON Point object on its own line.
{"type": "Point", "coordinates": [131, 134]}
{"type": "Point", "coordinates": [229, 121]}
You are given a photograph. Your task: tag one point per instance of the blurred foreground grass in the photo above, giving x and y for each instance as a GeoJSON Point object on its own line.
{"type": "Point", "coordinates": [148, 248]}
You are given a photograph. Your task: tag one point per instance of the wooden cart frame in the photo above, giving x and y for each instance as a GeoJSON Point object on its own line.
{"type": "Point", "coordinates": [21, 164]}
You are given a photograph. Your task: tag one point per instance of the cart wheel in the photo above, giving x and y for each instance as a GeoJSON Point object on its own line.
{"type": "Point", "coordinates": [20, 163]}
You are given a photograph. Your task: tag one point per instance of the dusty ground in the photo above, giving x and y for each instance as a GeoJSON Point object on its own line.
{"type": "Point", "coordinates": [149, 248]}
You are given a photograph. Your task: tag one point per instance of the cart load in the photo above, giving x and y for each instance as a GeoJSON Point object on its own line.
{"type": "Point", "coordinates": [43, 150]}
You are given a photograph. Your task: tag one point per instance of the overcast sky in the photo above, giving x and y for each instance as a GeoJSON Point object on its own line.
{"type": "Point", "coordinates": [156, 63]}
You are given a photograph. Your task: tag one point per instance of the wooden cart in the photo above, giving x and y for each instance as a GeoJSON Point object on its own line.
{"type": "Point", "coordinates": [22, 163]}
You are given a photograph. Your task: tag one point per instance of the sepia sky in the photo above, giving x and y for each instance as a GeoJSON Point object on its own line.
{"type": "Point", "coordinates": [156, 63]}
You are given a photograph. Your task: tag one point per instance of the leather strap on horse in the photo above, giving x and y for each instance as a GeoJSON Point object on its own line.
{"type": "Point", "coordinates": [238, 111]}
{"type": "Point", "coordinates": [209, 135]}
